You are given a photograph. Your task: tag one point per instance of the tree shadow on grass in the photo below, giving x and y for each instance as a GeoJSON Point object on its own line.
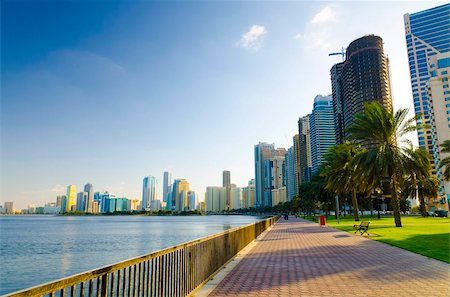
{"type": "Point", "coordinates": [436, 246]}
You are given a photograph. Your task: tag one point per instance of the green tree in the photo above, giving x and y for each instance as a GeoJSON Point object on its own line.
{"type": "Point", "coordinates": [380, 130]}
{"type": "Point", "coordinates": [419, 180]}
{"type": "Point", "coordinates": [339, 171]}
{"type": "Point", "coordinates": [445, 163]}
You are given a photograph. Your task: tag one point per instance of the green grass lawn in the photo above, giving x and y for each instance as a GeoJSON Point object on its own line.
{"type": "Point", "coordinates": [426, 236]}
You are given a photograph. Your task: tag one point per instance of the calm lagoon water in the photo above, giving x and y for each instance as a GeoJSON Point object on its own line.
{"type": "Point", "coordinates": [38, 249]}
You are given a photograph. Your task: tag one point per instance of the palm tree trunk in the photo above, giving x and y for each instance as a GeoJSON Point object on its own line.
{"type": "Point", "coordinates": [395, 203]}
{"type": "Point", "coordinates": [355, 206]}
{"type": "Point", "coordinates": [422, 207]}
{"type": "Point", "coordinates": [371, 207]}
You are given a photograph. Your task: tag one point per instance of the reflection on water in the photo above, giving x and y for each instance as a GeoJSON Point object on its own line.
{"type": "Point", "coordinates": [38, 249]}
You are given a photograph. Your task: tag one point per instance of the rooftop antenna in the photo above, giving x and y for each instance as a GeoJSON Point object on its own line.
{"type": "Point", "coordinates": [341, 53]}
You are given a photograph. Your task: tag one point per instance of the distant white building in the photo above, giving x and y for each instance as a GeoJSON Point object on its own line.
{"type": "Point", "coordinates": [216, 199]}
{"type": "Point", "coordinates": [235, 198]}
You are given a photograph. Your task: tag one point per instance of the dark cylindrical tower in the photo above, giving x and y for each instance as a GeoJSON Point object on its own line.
{"type": "Point", "coordinates": [365, 77]}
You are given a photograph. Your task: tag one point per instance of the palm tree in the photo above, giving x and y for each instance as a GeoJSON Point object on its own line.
{"type": "Point", "coordinates": [380, 130]}
{"type": "Point", "coordinates": [420, 180]}
{"type": "Point", "coordinates": [340, 172]}
{"type": "Point", "coordinates": [445, 163]}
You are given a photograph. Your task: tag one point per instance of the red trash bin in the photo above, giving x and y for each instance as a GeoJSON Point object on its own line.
{"type": "Point", "coordinates": [322, 220]}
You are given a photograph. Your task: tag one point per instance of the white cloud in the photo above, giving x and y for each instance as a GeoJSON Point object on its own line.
{"type": "Point", "coordinates": [317, 35]}
{"type": "Point", "coordinates": [326, 15]}
{"type": "Point", "coordinates": [253, 39]}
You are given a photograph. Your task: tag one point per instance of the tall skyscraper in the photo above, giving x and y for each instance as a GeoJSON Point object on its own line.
{"type": "Point", "coordinates": [362, 77]}
{"type": "Point", "coordinates": [178, 198]}
{"type": "Point", "coordinates": [89, 189]}
{"type": "Point", "coordinates": [427, 36]}
{"type": "Point", "coordinates": [304, 150]}
{"type": "Point", "coordinates": [321, 123]}
{"type": "Point", "coordinates": [226, 183]}
{"type": "Point", "coordinates": [273, 175]}
{"type": "Point", "coordinates": [9, 207]}
{"type": "Point", "coordinates": [192, 199]}
{"type": "Point", "coordinates": [336, 86]}
{"type": "Point", "coordinates": [262, 151]}
{"type": "Point", "coordinates": [71, 198]}
{"type": "Point", "coordinates": [290, 174]}
{"type": "Point", "coordinates": [167, 185]}
{"type": "Point", "coordinates": [439, 95]}
{"type": "Point", "coordinates": [80, 202]}
{"type": "Point", "coordinates": [226, 178]}
{"type": "Point", "coordinates": [63, 204]}
{"type": "Point", "coordinates": [59, 200]}
{"type": "Point", "coordinates": [148, 192]}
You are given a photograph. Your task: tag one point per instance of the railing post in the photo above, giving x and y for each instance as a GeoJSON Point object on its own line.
{"type": "Point", "coordinates": [104, 290]}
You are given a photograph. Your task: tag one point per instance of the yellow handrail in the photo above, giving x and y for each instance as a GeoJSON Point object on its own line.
{"type": "Point", "coordinates": [173, 271]}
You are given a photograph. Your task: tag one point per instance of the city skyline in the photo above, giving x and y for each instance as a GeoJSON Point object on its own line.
{"type": "Point", "coordinates": [50, 106]}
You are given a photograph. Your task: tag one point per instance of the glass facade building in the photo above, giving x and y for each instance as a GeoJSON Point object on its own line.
{"type": "Point", "coordinates": [362, 77]}
{"type": "Point", "coordinates": [148, 192]}
{"type": "Point", "coordinates": [321, 123]}
{"type": "Point", "coordinates": [427, 34]}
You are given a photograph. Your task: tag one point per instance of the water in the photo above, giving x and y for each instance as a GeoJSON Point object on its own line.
{"type": "Point", "coordinates": [39, 249]}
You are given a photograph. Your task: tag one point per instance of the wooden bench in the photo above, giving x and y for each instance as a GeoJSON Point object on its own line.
{"type": "Point", "coordinates": [362, 228]}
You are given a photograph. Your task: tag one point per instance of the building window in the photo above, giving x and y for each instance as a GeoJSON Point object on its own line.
{"type": "Point", "coordinates": [445, 79]}
{"type": "Point", "coordinates": [443, 63]}
{"type": "Point", "coordinates": [445, 86]}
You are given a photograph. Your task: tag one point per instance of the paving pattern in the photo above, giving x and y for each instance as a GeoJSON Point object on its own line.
{"type": "Point", "coordinates": [299, 258]}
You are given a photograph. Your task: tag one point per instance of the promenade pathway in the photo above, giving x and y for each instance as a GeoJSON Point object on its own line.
{"type": "Point", "coordinates": [299, 258]}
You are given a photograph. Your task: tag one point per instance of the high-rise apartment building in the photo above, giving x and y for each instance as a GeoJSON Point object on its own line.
{"type": "Point", "coordinates": [362, 77]}
{"type": "Point", "coordinates": [71, 198]}
{"type": "Point", "coordinates": [59, 199]}
{"type": "Point", "coordinates": [439, 96]}
{"type": "Point", "coordinates": [428, 40]}
{"type": "Point", "coordinates": [167, 185]}
{"type": "Point", "coordinates": [215, 199]}
{"type": "Point", "coordinates": [9, 207]}
{"type": "Point", "coordinates": [248, 195]}
{"type": "Point", "coordinates": [304, 150]}
{"type": "Point", "coordinates": [273, 175]}
{"type": "Point", "coordinates": [321, 123]}
{"type": "Point", "coordinates": [290, 174]}
{"type": "Point", "coordinates": [89, 189]}
{"type": "Point", "coordinates": [235, 198]}
{"type": "Point", "coordinates": [148, 192]}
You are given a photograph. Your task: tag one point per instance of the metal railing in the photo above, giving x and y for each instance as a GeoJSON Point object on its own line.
{"type": "Point", "coordinates": [175, 271]}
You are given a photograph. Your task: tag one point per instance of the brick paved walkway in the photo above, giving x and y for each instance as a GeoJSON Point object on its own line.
{"type": "Point", "coordinates": [299, 258]}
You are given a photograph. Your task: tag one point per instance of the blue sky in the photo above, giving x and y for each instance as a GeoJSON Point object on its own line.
{"type": "Point", "coordinates": [107, 92]}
